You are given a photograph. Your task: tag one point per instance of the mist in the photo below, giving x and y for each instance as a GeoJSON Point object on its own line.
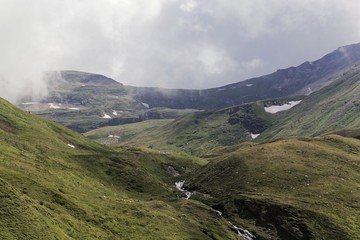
{"type": "Point", "coordinates": [166, 43]}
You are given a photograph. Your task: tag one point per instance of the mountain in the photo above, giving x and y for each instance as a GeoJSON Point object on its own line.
{"type": "Point", "coordinates": [251, 181]}
{"type": "Point", "coordinates": [332, 108]}
{"type": "Point", "coordinates": [199, 133]}
{"type": "Point", "coordinates": [298, 188]}
{"type": "Point", "coordinates": [84, 101]}
{"type": "Point", "coordinates": [57, 184]}
{"type": "Point", "coordinates": [303, 79]}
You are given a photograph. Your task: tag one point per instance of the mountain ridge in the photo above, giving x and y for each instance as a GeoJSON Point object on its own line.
{"type": "Point", "coordinates": [84, 101]}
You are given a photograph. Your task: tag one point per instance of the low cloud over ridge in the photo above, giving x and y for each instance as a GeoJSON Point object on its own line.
{"type": "Point", "coordinates": [167, 43]}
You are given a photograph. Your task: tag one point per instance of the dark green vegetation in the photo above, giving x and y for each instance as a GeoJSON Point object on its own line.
{"type": "Point", "coordinates": [353, 133]}
{"type": "Point", "coordinates": [57, 184]}
{"type": "Point", "coordinates": [306, 188]}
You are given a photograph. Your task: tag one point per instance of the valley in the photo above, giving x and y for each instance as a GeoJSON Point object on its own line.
{"type": "Point", "coordinates": [273, 157]}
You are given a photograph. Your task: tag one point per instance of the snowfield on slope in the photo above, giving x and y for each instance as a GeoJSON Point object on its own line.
{"type": "Point", "coordinates": [279, 108]}
{"type": "Point", "coordinates": [106, 116]}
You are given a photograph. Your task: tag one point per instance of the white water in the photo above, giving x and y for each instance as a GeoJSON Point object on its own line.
{"type": "Point", "coordinates": [240, 231]}
{"type": "Point", "coordinates": [243, 232]}
{"type": "Point", "coordinates": [179, 185]}
{"type": "Point", "coordinates": [279, 108]}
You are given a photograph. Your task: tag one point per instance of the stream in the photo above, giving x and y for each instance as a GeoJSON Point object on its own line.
{"type": "Point", "coordinates": [179, 185]}
{"type": "Point", "coordinates": [243, 233]}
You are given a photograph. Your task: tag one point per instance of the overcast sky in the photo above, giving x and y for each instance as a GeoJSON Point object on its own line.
{"type": "Point", "coordinates": [168, 43]}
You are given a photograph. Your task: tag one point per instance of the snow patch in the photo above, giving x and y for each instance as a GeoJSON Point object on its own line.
{"type": "Point", "coordinates": [249, 85]}
{"type": "Point", "coordinates": [113, 136]}
{"type": "Point", "coordinates": [309, 91]}
{"type": "Point", "coordinates": [145, 105]}
{"type": "Point", "coordinates": [106, 116]}
{"type": "Point", "coordinates": [74, 108]}
{"type": "Point", "coordinates": [114, 113]}
{"type": "Point", "coordinates": [70, 145]}
{"type": "Point", "coordinates": [54, 106]}
{"type": "Point", "coordinates": [279, 108]}
{"type": "Point", "coordinates": [253, 136]}
{"type": "Point", "coordinates": [30, 103]}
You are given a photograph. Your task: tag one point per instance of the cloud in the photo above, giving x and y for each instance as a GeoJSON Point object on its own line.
{"type": "Point", "coordinates": [167, 43]}
{"type": "Point", "coordinates": [188, 6]}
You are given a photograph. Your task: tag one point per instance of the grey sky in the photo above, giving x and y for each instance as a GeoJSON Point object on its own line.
{"type": "Point", "coordinates": [167, 43]}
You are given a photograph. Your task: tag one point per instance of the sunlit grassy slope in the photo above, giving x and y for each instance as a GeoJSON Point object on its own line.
{"type": "Point", "coordinates": [307, 188]}
{"type": "Point", "coordinates": [56, 184]}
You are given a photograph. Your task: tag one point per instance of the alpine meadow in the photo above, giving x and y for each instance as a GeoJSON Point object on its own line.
{"type": "Point", "coordinates": [179, 120]}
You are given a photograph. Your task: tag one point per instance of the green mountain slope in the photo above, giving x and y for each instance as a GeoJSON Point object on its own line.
{"type": "Point", "coordinates": [306, 188]}
{"type": "Point", "coordinates": [57, 184]}
{"type": "Point", "coordinates": [332, 108]}
{"type": "Point", "coordinates": [197, 134]}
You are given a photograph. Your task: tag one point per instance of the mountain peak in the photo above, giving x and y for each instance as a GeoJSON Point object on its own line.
{"type": "Point", "coordinates": [87, 78]}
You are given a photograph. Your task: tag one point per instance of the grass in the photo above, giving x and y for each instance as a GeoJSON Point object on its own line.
{"type": "Point", "coordinates": [311, 183]}
{"type": "Point", "coordinates": [334, 107]}
{"type": "Point", "coordinates": [296, 188]}
{"type": "Point", "coordinates": [122, 133]}
{"type": "Point", "coordinates": [196, 134]}
{"type": "Point", "coordinates": [50, 190]}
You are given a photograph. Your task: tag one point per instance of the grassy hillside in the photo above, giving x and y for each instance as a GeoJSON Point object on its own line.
{"type": "Point", "coordinates": [113, 135]}
{"type": "Point", "coordinates": [306, 188]}
{"type": "Point", "coordinates": [56, 184]}
{"type": "Point", "coordinates": [196, 134]}
{"type": "Point", "coordinates": [333, 108]}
